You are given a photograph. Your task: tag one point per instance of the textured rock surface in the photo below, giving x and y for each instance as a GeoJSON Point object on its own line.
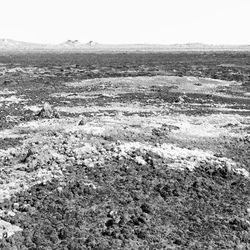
{"type": "Point", "coordinates": [159, 162]}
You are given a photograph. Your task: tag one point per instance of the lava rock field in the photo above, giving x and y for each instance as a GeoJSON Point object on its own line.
{"type": "Point", "coordinates": [125, 151]}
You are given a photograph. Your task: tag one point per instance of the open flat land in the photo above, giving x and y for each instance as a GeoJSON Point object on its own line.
{"type": "Point", "coordinates": [125, 151]}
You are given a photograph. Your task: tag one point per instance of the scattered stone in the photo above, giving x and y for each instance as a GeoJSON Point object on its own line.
{"type": "Point", "coordinates": [16, 205]}
{"type": "Point", "coordinates": [82, 122]}
{"type": "Point", "coordinates": [29, 153]}
{"type": "Point", "coordinates": [146, 208]}
{"type": "Point", "coordinates": [181, 99]}
{"type": "Point", "coordinates": [11, 213]}
{"type": "Point", "coordinates": [60, 189]}
{"type": "Point", "coordinates": [48, 112]}
{"type": "Point", "coordinates": [88, 163]}
{"type": "Point", "coordinates": [139, 160]}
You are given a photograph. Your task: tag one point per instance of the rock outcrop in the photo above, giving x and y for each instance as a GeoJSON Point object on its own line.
{"type": "Point", "coordinates": [48, 112]}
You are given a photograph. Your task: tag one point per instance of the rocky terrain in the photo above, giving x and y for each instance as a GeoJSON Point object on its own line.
{"type": "Point", "coordinates": [125, 151]}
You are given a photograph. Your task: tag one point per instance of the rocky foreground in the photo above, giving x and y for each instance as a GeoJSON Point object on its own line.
{"type": "Point", "coordinates": [147, 162]}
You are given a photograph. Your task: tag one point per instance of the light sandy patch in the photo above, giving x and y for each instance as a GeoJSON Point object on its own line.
{"type": "Point", "coordinates": [72, 95]}
{"type": "Point", "coordinates": [87, 95]}
{"type": "Point", "coordinates": [40, 167]}
{"type": "Point", "coordinates": [16, 69]}
{"type": "Point", "coordinates": [210, 126]}
{"type": "Point", "coordinates": [46, 124]}
{"type": "Point", "coordinates": [199, 130]}
{"type": "Point", "coordinates": [206, 85]}
{"type": "Point", "coordinates": [221, 107]}
{"type": "Point", "coordinates": [180, 158]}
{"type": "Point", "coordinates": [7, 229]}
{"type": "Point", "coordinates": [188, 126]}
{"type": "Point", "coordinates": [90, 95]}
{"type": "Point", "coordinates": [10, 133]}
{"type": "Point", "coordinates": [175, 84]}
{"type": "Point", "coordinates": [118, 107]}
{"type": "Point", "coordinates": [227, 109]}
{"type": "Point", "coordinates": [234, 97]}
{"type": "Point", "coordinates": [7, 92]}
{"type": "Point", "coordinates": [192, 78]}
{"type": "Point", "coordinates": [28, 129]}
{"type": "Point", "coordinates": [90, 128]}
{"type": "Point", "coordinates": [21, 180]}
{"type": "Point", "coordinates": [33, 108]}
{"type": "Point", "coordinates": [12, 99]}
{"type": "Point", "coordinates": [7, 152]}
{"type": "Point", "coordinates": [110, 94]}
{"type": "Point", "coordinates": [198, 126]}
{"type": "Point", "coordinates": [225, 83]}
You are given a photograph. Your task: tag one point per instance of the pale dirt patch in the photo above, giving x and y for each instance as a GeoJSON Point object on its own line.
{"type": "Point", "coordinates": [39, 167]}
{"type": "Point", "coordinates": [211, 125]}
{"type": "Point", "coordinates": [7, 92]}
{"type": "Point", "coordinates": [180, 158]}
{"type": "Point", "coordinates": [198, 126]}
{"type": "Point", "coordinates": [201, 126]}
{"type": "Point", "coordinates": [86, 95]}
{"type": "Point", "coordinates": [12, 99]}
{"type": "Point", "coordinates": [33, 108]}
{"type": "Point", "coordinates": [7, 229]}
{"type": "Point", "coordinates": [175, 84]}
{"type": "Point", "coordinates": [10, 133]}
{"type": "Point", "coordinates": [21, 180]}
{"type": "Point", "coordinates": [72, 95]}
{"type": "Point", "coordinates": [118, 107]}
{"type": "Point", "coordinates": [225, 95]}
{"type": "Point", "coordinates": [227, 109]}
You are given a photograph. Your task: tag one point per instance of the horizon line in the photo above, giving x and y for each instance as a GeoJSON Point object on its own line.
{"type": "Point", "coordinates": [127, 43]}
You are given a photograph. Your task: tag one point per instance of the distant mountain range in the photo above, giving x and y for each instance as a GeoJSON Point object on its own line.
{"type": "Point", "coordinates": [8, 45]}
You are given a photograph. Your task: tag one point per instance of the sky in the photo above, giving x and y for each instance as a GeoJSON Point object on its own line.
{"type": "Point", "coordinates": [126, 21]}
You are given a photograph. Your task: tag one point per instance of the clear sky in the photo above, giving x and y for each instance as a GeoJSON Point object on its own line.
{"type": "Point", "coordinates": [126, 21]}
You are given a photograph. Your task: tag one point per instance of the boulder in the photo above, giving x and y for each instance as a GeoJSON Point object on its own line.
{"type": "Point", "coordinates": [48, 112]}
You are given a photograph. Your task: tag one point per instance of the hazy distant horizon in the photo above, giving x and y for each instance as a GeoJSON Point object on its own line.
{"type": "Point", "coordinates": [98, 43]}
{"type": "Point", "coordinates": [166, 22]}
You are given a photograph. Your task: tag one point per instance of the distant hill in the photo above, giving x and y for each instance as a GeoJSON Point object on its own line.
{"type": "Point", "coordinates": [8, 45]}
{"type": "Point", "coordinates": [70, 44]}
